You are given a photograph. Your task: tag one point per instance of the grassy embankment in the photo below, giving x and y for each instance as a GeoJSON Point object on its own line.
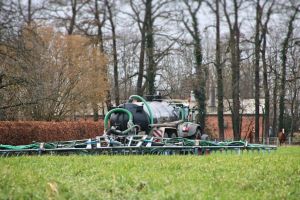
{"type": "Point", "coordinates": [249, 176]}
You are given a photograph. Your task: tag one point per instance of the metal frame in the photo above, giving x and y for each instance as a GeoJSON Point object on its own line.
{"type": "Point", "coordinates": [137, 145]}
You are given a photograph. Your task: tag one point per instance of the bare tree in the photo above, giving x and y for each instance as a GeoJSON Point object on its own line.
{"type": "Point", "coordinates": [142, 25]}
{"type": "Point", "coordinates": [100, 18]}
{"type": "Point", "coordinates": [115, 54]}
{"type": "Point", "coordinates": [266, 87]}
{"type": "Point", "coordinates": [200, 83]}
{"type": "Point", "coordinates": [284, 50]}
{"type": "Point", "coordinates": [219, 68]}
{"type": "Point", "coordinates": [151, 69]}
{"type": "Point", "coordinates": [293, 84]}
{"type": "Point", "coordinates": [145, 14]}
{"type": "Point", "coordinates": [234, 46]}
{"type": "Point", "coordinates": [257, 43]}
{"type": "Point", "coordinates": [30, 10]}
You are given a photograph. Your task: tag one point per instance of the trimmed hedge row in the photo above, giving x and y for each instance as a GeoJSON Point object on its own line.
{"type": "Point", "coordinates": [25, 132]}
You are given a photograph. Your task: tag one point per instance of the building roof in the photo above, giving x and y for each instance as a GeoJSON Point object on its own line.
{"type": "Point", "coordinates": [247, 107]}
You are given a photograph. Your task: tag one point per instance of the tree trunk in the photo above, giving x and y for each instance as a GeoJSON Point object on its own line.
{"type": "Point", "coordinates": [73, 17]}
{"type": "Point", "coordinates": [284, 51]}
{"type": "Point", "coordinates": [235, 67]}
{"type": "Point", "coordinates": [95, 112]}
{"type": "Point", "coordinates": [139, 85]}
{"type": "Point", "coordinates": [265, 73]}
{"type": "Point", "coordinates": [115, 55]}
{"type": "Point", "coordinates": [219, 76]}
{"type": "Point", "coordinates": [200, 83]}
{"type": "Point", "coordinates": [296, 113]}
{"type": "Point", "coordinates": [293, 112]}
{"type": "Point", "coordinates": [200, 86]}
{"type": "Point", "coordinates": [266, 88]}
{"type": "Point", "coordinates": [100, 24]}
{"type": "Point", "coordinates": [29, 19]}
{"type": "Point", "coordinates": [234, 46]}
{"type": "Point", "coordinates": [257, 58]}
{"type": "Point", "coordinates": [151, 70]}
{"type": "Point", "coordinates": [275, 91]}
{"type": "Point", "coordinates": [144, 42]}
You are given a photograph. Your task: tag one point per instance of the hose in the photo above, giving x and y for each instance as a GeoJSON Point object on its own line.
{"type": "Point", "coordinates": [137, 97]}
{"type": "Point", "coordinates": [29, 146]}
{"type": "Point", "coordinates": [182, 141]}
{"type": "Point", "coordinates": [130, 129]}
{"type": "Point", "coordinates": [118, 110]}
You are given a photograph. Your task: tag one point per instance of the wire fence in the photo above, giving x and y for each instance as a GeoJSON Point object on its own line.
{"type": "Point", "coordinates": [272, 141]}
{"type": "Point", "coordinates": [275, 141]}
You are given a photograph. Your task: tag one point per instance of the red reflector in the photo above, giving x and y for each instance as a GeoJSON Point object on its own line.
{"type": "Point", "coordinates": [185, 129]}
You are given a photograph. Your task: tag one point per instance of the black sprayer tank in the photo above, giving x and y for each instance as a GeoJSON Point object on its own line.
{"type": "Point", "coordinates": [162, 112]}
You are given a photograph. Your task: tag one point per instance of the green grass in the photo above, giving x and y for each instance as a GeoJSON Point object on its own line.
{"type": "Point", "coordinates": [249, 176]}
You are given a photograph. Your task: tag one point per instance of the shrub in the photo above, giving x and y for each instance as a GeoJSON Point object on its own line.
{"type": "Point", "coordinates": [25, 132]}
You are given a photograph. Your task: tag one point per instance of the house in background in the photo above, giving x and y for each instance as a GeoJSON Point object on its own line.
{"type": "Point", "coordinates": [247, 117]}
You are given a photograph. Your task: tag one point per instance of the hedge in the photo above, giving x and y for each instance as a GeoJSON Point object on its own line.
{"type": "Point", "coordinates": [25, 132]}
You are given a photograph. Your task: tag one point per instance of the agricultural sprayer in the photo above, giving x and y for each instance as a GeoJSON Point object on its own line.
{"type": "Point", "coordinates": [141, 127]}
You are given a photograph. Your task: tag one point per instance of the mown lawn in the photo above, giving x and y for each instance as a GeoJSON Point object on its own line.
{"type": "Point", "coordinates": [249, 176]}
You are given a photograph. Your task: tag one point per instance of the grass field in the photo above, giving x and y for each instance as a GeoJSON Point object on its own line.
{"type": "Point", "coordinates": [249, 176]}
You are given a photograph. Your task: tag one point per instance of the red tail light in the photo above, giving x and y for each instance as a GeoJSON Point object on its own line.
{"type": "Point", "coordinates": [185, 129]}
